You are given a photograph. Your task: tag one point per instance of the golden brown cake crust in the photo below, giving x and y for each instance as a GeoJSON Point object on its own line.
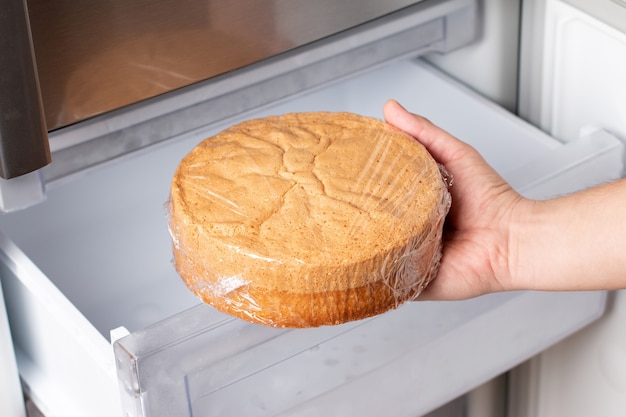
{"type": "Point", "coordinates": [307, 219]}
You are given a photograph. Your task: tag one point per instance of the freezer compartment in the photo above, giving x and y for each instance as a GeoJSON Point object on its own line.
{"type": "Point", "coordinates": [117, 53]}
{"type": "Point", "coordinates": [96, 256]}
{"type": "Point", "coordinates": [427, 26]}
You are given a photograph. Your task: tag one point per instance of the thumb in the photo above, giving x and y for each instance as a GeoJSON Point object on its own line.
{"type": "Point", "coordinates": [440, 144]}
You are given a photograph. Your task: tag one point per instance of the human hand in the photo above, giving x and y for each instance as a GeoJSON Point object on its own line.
{"type": "Point", "coordinates": [477, 234]}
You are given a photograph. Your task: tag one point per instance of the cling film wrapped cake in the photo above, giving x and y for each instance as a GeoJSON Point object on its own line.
{"type": "Point", "coordinates": [308, 219]}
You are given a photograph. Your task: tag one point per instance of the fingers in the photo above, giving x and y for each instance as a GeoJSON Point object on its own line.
{"type": "Point", "coordinates": [441, 145]}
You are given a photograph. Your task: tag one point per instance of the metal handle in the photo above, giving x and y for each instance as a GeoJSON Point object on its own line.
{"type": "Point", "coordinates": [24, 143]}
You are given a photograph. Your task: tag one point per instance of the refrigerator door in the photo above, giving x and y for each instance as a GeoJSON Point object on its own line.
{"type": "Point", "coordinates": [96, 256]}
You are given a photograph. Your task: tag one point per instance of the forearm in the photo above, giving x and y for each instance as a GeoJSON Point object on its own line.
{"type": "Point", "coordinates": [576, 242]}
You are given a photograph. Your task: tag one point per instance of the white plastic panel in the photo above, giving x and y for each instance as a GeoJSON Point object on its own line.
{"type": "Point", "coordinates": [584, 67]}
{"type": "Point", "coordinates": [612, 12]}
{"type": "Point", "coordinates": [406, 362]}
{"type": "Point", "coordinates": [66, 366]}
{"type": "Point", "coordinates": [593, 159]}
{"type": "Point", "coordinates": [11, 400]}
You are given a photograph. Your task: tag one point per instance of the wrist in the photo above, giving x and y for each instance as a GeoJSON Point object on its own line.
{"type": "Point", "coordinates": [570, 243]}
{"type": "Point", "coordinates": [524, 241]}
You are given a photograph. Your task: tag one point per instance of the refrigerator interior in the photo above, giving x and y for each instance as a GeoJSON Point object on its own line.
{"type": "Point", "coordinates": [115, 217]}
{"type": "Point", "coordinates": [96, 257]}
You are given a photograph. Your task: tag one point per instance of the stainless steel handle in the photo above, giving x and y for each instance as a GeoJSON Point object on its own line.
{"type": "Point", "coordinates": [24, 143]}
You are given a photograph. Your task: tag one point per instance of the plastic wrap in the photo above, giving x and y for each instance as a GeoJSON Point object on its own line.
{"type": "Point", "coordinates": [308, 219]}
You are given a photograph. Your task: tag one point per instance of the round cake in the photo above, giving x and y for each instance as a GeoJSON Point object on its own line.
{"type": "Point", "coordinates": [307, 219]}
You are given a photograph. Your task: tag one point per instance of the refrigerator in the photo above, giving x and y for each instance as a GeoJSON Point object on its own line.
{"type": "Point", "coordinates": [97, 320]}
